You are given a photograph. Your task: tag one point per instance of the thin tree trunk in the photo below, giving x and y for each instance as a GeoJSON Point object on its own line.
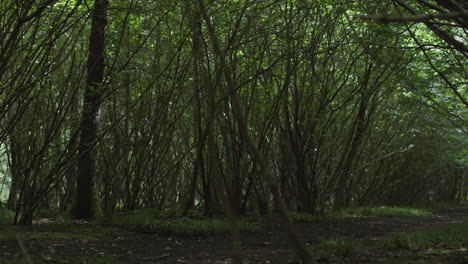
{"type": "Point", "coordinates": [199, 164]}
{"type": "Point", "coordinates": [86, 204]}
{"type": "Point", "coordinates": [297, 245]}
{"type": "Point", "coordinates": [341, 189]}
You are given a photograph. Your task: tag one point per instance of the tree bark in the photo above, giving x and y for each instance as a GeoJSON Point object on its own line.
{"type": "Point", "coordinates": [86, 205]}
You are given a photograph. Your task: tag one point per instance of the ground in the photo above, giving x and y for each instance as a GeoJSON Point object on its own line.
{"type": "Point", "coordinates": [93, 243]}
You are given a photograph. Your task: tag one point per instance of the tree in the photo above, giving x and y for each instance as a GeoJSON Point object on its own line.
{"type": "Point", "coordinates": [447, 19]}
{"type": "Point", "coordinates": [86, 204]}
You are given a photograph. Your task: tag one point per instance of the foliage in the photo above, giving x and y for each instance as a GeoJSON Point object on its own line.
{"type": "Point", "coordinates": [305, 217]}
{"type": "Point", "coordinates": [340, 246]}
{"type": "Point", "coordinates": [151, 221]}
{"type": "Point", "coordinates": [348, 213]}
{"type": "Point", "coordinates": [334, 216]}
{"type": "Point", "coordinates": [456, 235]}
{"type": "Point", "coordinates": [385, 211]}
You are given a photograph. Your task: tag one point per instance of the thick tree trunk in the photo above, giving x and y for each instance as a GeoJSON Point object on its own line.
{"type": "Point", "coordinates": [86, 204]}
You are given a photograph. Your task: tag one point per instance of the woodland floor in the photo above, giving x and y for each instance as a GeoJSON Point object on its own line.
{"type": "Point", "coordinates": [62, 244]}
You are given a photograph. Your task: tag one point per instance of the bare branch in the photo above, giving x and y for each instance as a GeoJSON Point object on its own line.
{"type": "Point", "coordinates": [388, 18]}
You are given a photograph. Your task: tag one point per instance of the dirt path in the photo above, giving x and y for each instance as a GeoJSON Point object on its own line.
{"type": "Point", "coordinates": [266, 246]}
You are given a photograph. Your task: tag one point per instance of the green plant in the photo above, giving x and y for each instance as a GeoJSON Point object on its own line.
{"type": "Point", "coordinates": [138, 219]}
{"type": "Point", "coordinates": [398, 241]}
{"type": "Point", "coordinates": [329, 216]}
{"type": "Point", "coordinates": [340, 246]}
{"type": "Point", "coordinates": [450, 235]}
{"type": "Point", "coordinates": [187, 226]}
{"type": "Point", "coordinates": [305, 217]}
{"type": "Point", "coordinates": [385, 211]}
{"type": "Point", "coordinates": [151, 221]}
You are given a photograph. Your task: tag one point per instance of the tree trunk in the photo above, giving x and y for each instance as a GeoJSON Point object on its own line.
{"type": "Point", "coordinates": [341, 190]}
{"type": "Point", "coordinates": [16, 172]}
{"type": "Point", "coordinates": [296, 243]}
{"type": "Point", "coordinates": [86, 205]}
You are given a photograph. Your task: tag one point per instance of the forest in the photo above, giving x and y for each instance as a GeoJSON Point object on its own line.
{"type": "Point", "coordinates": [204, 119]}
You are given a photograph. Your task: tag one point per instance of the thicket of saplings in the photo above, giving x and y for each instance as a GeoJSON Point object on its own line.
{"type": "Point", "coordinates": [411, 179]}
{"type": "Point", "coordinates": [176, 219]}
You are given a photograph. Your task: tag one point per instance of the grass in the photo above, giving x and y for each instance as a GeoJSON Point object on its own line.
{"type": "Point", "coordinates": [340, 247]}
{"type": "Point", "coordinates": [453, 235]}
{"type": "Point", "coordinates": [305, 217]}
{"type": "Point", "coordinates": [384, 211]}
{"type": "Point", "coordinates": [151, 221]}
{"type": "Point", "coordinates": [332, 216]}
{"type": "Point", "coordinates": [349, 213]}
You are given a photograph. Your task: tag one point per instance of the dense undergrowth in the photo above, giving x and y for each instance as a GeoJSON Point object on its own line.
{"type": "Point", "coordinates": [156, 221]}
{"type": "Point", "coordinates": [339, 247]}
{"type": "Point", "coordinates": [385, 211]}
{"type": "Point", "coordinates": [453, 235]}
{"type": "Point", "coordinates": [167, 221]}
{"type": "Point", "coordinates": [349, 213]}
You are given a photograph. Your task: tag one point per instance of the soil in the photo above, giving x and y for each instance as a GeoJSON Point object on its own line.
{"type": "Point", "coordinates": [69, 243]}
